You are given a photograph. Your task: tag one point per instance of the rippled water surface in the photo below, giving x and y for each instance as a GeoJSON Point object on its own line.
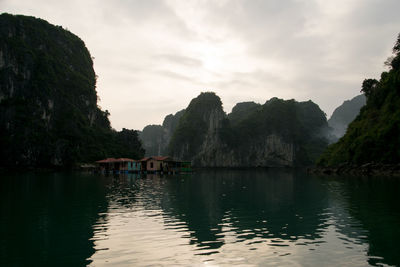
{"type": "Point", "coordinates": [208, 218]}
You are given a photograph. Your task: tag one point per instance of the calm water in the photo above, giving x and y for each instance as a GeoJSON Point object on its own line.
{"type": "Point", "coordinates": [209, 218]}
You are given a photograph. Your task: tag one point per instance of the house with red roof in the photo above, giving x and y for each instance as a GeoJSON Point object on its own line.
{"type": "Point", "coordinates": [157, 164]}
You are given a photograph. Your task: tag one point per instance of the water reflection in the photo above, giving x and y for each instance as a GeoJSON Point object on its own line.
{"type": "Point", "coordinates": [368, 211]}
{"type": "Point", "coordinates": [223, 217]}
{"type": "Point", "coordinates": [236, 206]}
{"type": "Point", "coordinates": [47, 219]}
{"type": "Point", "coordinates": [210, 213]}
{"type": "Point", "coordinates": [304, 220]}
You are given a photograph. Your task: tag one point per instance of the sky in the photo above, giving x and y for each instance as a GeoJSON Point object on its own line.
{"type": "Point", "coordinates": [153, 56]}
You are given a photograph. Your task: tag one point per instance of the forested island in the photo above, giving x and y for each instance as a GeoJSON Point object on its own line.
{"type": "Point", "coordinates": [49, 116]}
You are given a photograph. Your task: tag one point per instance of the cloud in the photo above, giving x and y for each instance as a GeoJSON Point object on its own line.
{"type": "Point", "coordinates": [316, 46]}
{"type": "Point", "coordinates": [174, 75]}
{"type": "Point", "coordinates": [179, 59]}
{"type": "Point", "coordinates": [156, 14]}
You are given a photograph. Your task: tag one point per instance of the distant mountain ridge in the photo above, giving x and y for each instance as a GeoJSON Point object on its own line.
{"type": "Point", "coordinates": [155, 138]}
{"type": "Point", "coordinates": [345, 114]}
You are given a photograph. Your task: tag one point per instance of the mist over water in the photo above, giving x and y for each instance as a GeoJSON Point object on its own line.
{"type": "Point", "coordinates": [216, 217]}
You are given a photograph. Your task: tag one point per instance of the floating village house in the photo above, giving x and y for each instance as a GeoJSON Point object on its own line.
{"type": "Point", "coordinates": [158, 164]}
{"type": "Point", "coordinates": [146, 165]}
{"type": "Point", "coordinates": [118, 165]}
{"type": "Point", "coordinates": [164, 164]}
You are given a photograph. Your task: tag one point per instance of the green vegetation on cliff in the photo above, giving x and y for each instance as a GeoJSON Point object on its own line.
{"type": "Point", "coordinates": [193, 125]}
{"type": "Point", "coordinates": [242, 111]}
{"type": "Point", "coordinates": [48, 102]}
{"type": "Point", "coordinates": [374, 136]}
{"type": "Point", "coordinates": [300, 123]}
{"type": "Point", "coordinates": [278, 133]}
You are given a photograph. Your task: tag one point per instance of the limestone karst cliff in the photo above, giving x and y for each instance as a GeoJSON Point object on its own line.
{"type": "Point", "coordinates": [48, 101]}
{"type": "Point", "coordinates": [278, 133]}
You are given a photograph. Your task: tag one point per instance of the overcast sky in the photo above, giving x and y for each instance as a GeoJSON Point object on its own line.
{"type": "Point", "coordinates": [153, 56]}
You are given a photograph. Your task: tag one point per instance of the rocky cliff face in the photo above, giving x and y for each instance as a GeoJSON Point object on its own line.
{"type": "Point", "coordinates": [212, 152]}
{"type": "Point", "coordinates": [48, 102]}
{"type": "Point", "coordinates": [270, 151]}
{"type": "Point", "coordinates": [279, 133]}
{"type": "Point", "coordinates": [46, 76]}
{"type": "Point", "coordinates": [196, 136]}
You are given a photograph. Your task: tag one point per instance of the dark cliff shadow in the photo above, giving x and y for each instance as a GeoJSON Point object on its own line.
{"type": "Point", "coordinates": [266, 204]}
{"type": "Point", "coordinates": [374, 203]}
{"type": "Point", "coordinates": [48, 219]}
{"type": "Point", "coordinates": [277, 204]}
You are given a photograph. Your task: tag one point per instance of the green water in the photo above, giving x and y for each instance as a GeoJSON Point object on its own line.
{"type": "Point", "coordinates": [208, 218]}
